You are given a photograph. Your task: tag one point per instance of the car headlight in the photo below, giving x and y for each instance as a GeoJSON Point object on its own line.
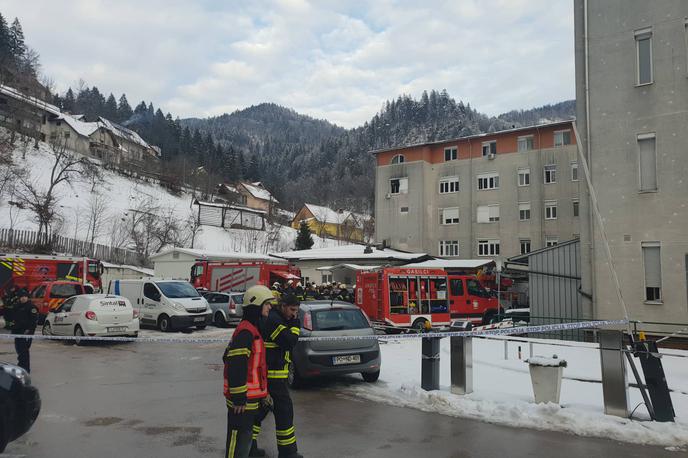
{"type": "Point", "coordinates": [179, 307]}
{"type": "Point", "coordinates": [18, 373]}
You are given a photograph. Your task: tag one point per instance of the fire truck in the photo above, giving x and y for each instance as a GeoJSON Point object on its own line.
{"type": "Point", "coordinates": [29, 270]}
{"type": "Point", "coordinates": [238, 276]}
{"type": "Point", "coordinates": [410, 297]}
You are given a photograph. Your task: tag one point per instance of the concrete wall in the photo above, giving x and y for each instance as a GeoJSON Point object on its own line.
{"type": "Point", "coordinates": [167, 266]}
{"type": "Point", "coordinates": [120, 273]}
{"type": "Point", "coordinates": [617, 110]}
{"type": "Point", "coordinates": [419, 229]}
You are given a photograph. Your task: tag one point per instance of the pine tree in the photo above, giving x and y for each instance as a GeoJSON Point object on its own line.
{"type": "Point", "coordinates": [16, 41]}
{"type": "Point", "coordinates": [68, 101]}
{"type": "Point", "coordinates": [304, 239]}
{"type": "Point", "coordinates": [124, 111]}
{"type": "Point", "coordinates": [110, 109]}
{"type": "Point", "coordinates": [5, 54]}
{"type": "Point", "coordinates": [141, 108]}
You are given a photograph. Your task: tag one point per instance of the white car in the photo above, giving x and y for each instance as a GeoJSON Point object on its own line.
{"type": "Point", "coordinates": [93, 315]}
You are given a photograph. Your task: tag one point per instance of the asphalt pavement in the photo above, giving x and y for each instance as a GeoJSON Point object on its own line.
{"type": "Point", "coordinates": [165, 400]}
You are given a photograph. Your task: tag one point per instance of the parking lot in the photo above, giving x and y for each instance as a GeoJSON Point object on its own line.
{"type": "Point", "coordinates": [148, 399]}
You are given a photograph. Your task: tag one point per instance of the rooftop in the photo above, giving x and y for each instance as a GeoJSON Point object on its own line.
{"type": "Point", "coordinates": [349, 252]}
{"type": "Point", "coordinates": [259, 192]}
{"type": "Point", "coordinates": [450, 264]}
{"type": "Point", "coordinates": [217, 255]}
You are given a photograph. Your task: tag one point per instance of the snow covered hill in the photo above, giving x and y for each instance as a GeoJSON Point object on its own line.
{"type": "Point", "coordinates": [119, 195]}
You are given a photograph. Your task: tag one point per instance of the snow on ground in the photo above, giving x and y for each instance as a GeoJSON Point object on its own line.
{"type": "Point", "coordinates": [503, 391]}
{"type": "Point", "coordinates": [123, 194]}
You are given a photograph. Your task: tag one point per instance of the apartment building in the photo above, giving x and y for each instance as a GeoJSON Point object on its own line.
{"type": "Point", "coordinates": [490, 195]}
{"type": "Point", "coordinates": [632, 117]}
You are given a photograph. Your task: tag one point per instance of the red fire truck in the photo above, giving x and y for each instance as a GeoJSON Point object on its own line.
{"type": "Point", "coordinates": [410, 297]}
{"type": "Point", "coordinates": [30, 270]}
{"type": "Point", "coordinates": [231, 276]}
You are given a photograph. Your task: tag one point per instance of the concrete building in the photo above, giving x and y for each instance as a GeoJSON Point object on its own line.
{"type": "Point", "coordinates": [490, 195]}
{"type": "Point", "coordinates": [632, 117]}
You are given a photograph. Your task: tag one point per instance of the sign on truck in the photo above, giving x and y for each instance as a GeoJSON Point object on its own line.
{"type": "Point", "coordinates": [226, 277]}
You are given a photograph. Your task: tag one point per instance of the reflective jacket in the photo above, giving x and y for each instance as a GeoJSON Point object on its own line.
{"type": "Point", "coordinates": [245, 368]}
{"type": "Point", "coordinates": [280, 337]}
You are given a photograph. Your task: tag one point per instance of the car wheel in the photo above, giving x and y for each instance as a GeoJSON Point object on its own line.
{"type": "Point", "coordinates": [294, 380]}
{"type": "Point", "coordinates": [164, 323]}
{"type": "Point", "coordinates": [371, 377]}
{"type": "Point", "coordinates": [78, 332]}
{"type": "Point", "coordinates": [219, 320]}
{"type": "Point", "coordinates": [419, 324]}
{"type": "Point", "coordinates": [47, 330]}
{"type": "Point", "coordinates": [489, 317]}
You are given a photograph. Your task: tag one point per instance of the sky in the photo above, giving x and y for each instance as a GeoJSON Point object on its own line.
{"type": "Point", "coordinates": [330, 59]}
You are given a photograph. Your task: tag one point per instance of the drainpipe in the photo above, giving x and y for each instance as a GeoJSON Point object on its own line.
{"type": "Point", "coordinates": [472, 245]}
{"type": "Point", "coordinates": [591, 220]}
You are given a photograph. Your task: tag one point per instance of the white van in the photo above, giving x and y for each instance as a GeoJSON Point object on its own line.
{"type": "Point", "coordinates": [93, 315]}
{"type": "Point", "coordinates": [165, 304]}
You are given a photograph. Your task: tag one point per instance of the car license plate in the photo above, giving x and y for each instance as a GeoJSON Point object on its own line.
{"type": "Point", "coordinates": [347, 359]}
{"type": "Point", "coordinates": [199, 319]}
{"type": "Point", "coordinates": [117, 329]}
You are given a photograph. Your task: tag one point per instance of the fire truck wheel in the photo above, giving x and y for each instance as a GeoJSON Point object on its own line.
{"type": "Point", "coordinates": [78, 332]}
{"type": "Point", "coordinates": [419, 324]}
{"type": "Point", "coordinates": [47, 331]}
{"type": "Point", "coordinates": [371, 377]}
{"type": "Point", "coordinates": [489, 317]}
{"type": "Point", "coordinates": [164, 323]}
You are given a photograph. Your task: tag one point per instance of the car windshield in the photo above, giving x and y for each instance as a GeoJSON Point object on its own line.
{"type": "Point", "coordinates": [177, 289]}
{"type": "Point", "coordinates": [338, 320]}
{"type": "Point", "coordinates": [61, 291]}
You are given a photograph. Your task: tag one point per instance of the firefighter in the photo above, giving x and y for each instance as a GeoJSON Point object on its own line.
{"type": "Point", "coordinates": [24, 320]}
{"type": "Point", "coordinates": [300, 292]}
{"type": "Point", "coordinates": [245, 374]}
{"type": "Point", "coordinates": [342, 294]}
{"type": "Point", "coordinates": [311, 293]}
{"type": "Point", "coordinates": [281, 333]}
{"type": "Point", "coordinates": [8, 301]}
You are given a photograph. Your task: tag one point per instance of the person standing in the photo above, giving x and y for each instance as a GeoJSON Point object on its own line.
{"type": "Point", "coordinates": [245, 372]}
{"type": "Point", "coordinates": [281, 333]}
{"type": "Point", "coordinates": [8, 300]}
{"type": "Point", "coordinates": [24, 320]}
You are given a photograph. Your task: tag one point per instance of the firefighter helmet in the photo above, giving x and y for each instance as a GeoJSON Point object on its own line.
{"type": "Point", "coordinates": [257, 295]}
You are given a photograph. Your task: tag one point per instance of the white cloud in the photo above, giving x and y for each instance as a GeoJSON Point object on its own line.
{"type": "Point", "coordinates": [330, 59]}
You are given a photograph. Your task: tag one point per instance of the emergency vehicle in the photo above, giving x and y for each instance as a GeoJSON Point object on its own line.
{"type": "Point", "coordinates": [410, 297]}
{"type": "Point", "coordinates": [238, 276]}
{"type": "Point", "coordinates": [30, 270]}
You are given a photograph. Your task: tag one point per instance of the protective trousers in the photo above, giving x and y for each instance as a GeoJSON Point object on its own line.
{"type": "Point", "coordinates": [239, 433]}
{"type": "Point", "coordinates": [23, 359]}
{"type": "Point", "coordinates": [283, 409]}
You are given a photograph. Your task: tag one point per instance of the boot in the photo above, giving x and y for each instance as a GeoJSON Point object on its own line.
{"type": "Point", "coordinates": [255, 451]}
{"type": "Point", "coordinates": [293, 455]}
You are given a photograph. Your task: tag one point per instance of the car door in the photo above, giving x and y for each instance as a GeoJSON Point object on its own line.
{"type": "Point", "coordinates": [151, 301]}
{"type": "Point", "coordinates": [61, 320]}
{"type": "Point", "coordinates": [457, 298]}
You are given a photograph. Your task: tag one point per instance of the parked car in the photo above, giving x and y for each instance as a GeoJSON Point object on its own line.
{"type": "Point", "coordinates": [50, 294]}
{"type": "Point", "coordinates": [93, 315]}
{"type": "Point", "coordinates": [334, 357]}
{"type": "Point", "coordinates": [20, 403]}
{"type": "Point", "coordinates": [226, 307]}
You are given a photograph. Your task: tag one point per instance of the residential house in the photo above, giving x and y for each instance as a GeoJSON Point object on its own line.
{"type": "Point", "coordinates": [327, 223]}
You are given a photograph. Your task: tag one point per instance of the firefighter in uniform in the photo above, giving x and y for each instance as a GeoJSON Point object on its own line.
{"type": "Point", "coordinates": [281, 333]}
{"type": "Point", "coordinates": [245, 374]}
{"type": "Point", "coordinates": [24, 319]}
{"type": "Point", "coordinates": [8, 301]}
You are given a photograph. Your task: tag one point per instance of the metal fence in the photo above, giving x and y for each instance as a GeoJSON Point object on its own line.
{"type": "Point", "coordinates": [29, 241]}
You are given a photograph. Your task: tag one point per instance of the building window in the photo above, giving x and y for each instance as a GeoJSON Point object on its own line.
{"type": "Point", "coordinates": [576, 207]}
{"type": "Point", "coordinates": [525, 246]}
{"type": "Point", "coordinates": [489, 148]}
{"type": "Point", "coordinates": [398, 185]}
{"type": "Point", "coordinates": [551, 241]}
{"type": "Point", "coordinates": [550, 209]}
{"type": "Point", "coordinates": [647, 162]}
{"type": "Point", "coordinates": [403, 210]}
{"type": "Point", "coordinates": [398, 159]}
{"type": "Point", "coordinates": [488, 213]}
{"type": "Point", "coordinates": [488, 181]}
{"type": "Point", "coordinates": [326, 278]}
{"type": "Point", "coordinates": [449, 247]}
{"type": "Point", "coordinates": [525, 143]}
{"type": "Point", "coordinates": [449, 184]}
{"type": "Point", "coordinates": [488, 247]}
{"type": "Point", "coordinates": [449, 215]}
{"type": "Point", "coordinates": [643, 45]}
{"type": "Point", "coordinates": [66, 135]}
{"type": "Point", "coordinates": [562, 137]}
{"type": "Point", "coordinates": [524, 177]}
{"type": "Point", "coordinates": [524, 211]}
{"type": "Point", "coordinates": [550, 174]}
{"type": "Point", "coordinates": [653, 271]}
{"type": "Point", "coordinates": [574, 171]}
{"type": "Point", "coordinates": [451, 154]}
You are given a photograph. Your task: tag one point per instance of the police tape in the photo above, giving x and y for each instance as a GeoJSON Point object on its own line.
{"type": "Point", "coordinates": [426, 335]}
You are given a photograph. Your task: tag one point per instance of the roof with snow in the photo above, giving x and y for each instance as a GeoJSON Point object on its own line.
{"type": "Point", "coordinates": [85, 129]}
{"type": "Point", "coordinates": [217, 255]}
{"type": "Point", "coordinates": [450, 264]}
{"type": "Point", "coordinates": [123, 132]}
{"type": "Point", "coordinates": [347, 266]}
{"type": "Point", "coordinates": [230, 207]}
{"type": "Point", "coordinates": [38, 103]}
{"type": "Point", "coordinates": [143, 270]}
{"type": "Point", "coordinates": [326, 214]}
{"type": "Point", "coordinates": [258, 191]}
{"type": "Point", "coordinates": [350, 252]}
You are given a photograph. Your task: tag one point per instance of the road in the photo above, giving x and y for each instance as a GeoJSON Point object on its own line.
{"type": "Point", "coordinates": [164, 400]}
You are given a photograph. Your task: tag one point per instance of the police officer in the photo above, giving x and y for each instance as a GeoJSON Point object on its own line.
{"type": "Point", "coordinates": [281, 333]}
{"type": "Point", "coordinates": [245, 374]}
{"type": "Point", "coordinates": [24, 320]}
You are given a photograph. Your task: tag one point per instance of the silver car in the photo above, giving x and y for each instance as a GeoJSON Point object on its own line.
{"type": "Point", "coordinates": [334, 357]}
{"type": "Point", "coordinates": [226, 307]}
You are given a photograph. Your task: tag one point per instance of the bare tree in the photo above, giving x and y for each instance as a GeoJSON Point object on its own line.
{"type": "Point", "coordinates": [141, 222]}
{"type": "Point", "coordinates": [193, 228]}
{"type": "Point", "coordinates": [97, 215]}
{"type": "Point", "coordinates": [119, 231]}
{"type": "Point", "coordinates": [42, 200]}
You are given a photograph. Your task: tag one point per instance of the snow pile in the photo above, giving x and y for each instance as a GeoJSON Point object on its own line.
{"type": "Point", "coordinates": [544, 361]}
{"type": "Point", "coordinates": [503, 391]}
